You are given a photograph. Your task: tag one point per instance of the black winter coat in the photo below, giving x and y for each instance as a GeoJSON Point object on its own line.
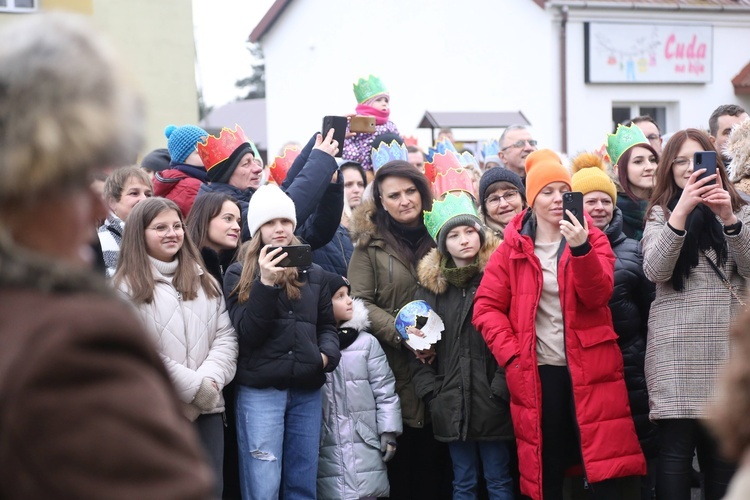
{"type": "Point", "coordinates": [335, 256]}
{"type": "Point", "coordinates": [217, 263]}
{"type": "Point", "coordinates": [463, 388]}
{"type": "Point", "coordinates": [280, 339]}
{"type": "Point", "coordinates": [630, 305]}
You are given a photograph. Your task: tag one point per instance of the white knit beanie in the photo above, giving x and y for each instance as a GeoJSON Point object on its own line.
{"type": "Point", "coordinates": [269, 202]}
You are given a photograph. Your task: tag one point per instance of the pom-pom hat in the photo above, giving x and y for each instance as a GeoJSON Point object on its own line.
{"type": "Point", "coordinates": [543, 167]}
{"type": "Point", "coordinates": [182, 141]}
{"type": "Point", "coordinates": [589, 176]}
{"type": "Point", "coordinates": [269, 202]}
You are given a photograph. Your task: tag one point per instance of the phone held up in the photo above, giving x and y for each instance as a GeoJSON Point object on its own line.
{"type": "Point", "coordinates": [338, 124]}
{"type": "Point", "coordinates": [707, 160]}
{"type": "Point", "coordinates": [573, 201]}
{"type": "Point", "coordinates": [362, 124]}
{"type": "Point", "coordinates": [297, 256]}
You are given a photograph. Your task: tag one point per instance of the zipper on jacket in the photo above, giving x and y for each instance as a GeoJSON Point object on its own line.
{"type": "Point", "coordinates": [390, 268]}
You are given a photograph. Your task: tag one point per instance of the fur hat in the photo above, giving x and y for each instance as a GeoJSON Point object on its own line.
{"type": "Point", "coordinates": [67, 107]}
{"type": "Point", "coordinates": [157, 160]}
{"type": "Point", "coordinates": [543, 167]}
{"type": "Point", "coordinates": [269, 202]}
{"type": "Point", "coordinates": [589, 175]}
{"type": "Point", "coordinates": [738, 148]}
{"type": "Point", "coordinates": [498, 174]}
{"type": "Point", "coordinates": [182, 141]}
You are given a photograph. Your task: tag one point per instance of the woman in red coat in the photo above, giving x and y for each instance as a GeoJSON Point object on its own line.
{"type": "Point", "coordinates": [542, 309]}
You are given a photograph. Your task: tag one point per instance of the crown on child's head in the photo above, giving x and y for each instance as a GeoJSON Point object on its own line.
{"type": "Point", "coordinates": [623, 139]}
{"type": "Point", "coordinates": [388, 152]}
{"type": "Point", "coordinates": [283, 163]}
{"type": "Point", "coordinates": [214, 150]}
{"type": "Point", "coordinates": [366, 89]}
{"type": "Point", "coordinates": [452, 205]}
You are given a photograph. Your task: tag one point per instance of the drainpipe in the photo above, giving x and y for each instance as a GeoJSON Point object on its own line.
{"type": "Point", "coordinates": [563, 80]}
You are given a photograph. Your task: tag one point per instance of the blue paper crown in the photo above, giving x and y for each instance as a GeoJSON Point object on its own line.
{"type": "Point", "coordinates": [440, 148]}
{"type": "Point", "coordinates": [490, 148]}
{"type": "Point", "coordinates": [467, 160]}
{"type": "Point", "coordinates": [388, 152]}
{"type": "Point", "coordinates": [407, 316]}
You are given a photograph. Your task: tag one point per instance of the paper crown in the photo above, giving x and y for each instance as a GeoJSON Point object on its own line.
{"type": "Point", "coordinates": [490, 148]}
{"type": "Point", "coordinates": [282, 164]}
{"type": "Point", "coordinates": [386, 153]}
{"type": "Point", "coordinates": [623, 139]}
{"type": "Point", "coordinates": [453, 180]}
{"type": "Point", "coordinates": [214, 149]}
{"type": "Point", "coordinates": [367, 89]}
{"type": "Point", "coordinates": [409, 314]}
{"type": "Point", "coordinates": [410, 140]}
{"type": "Point", "coordinates": [440, 147]}
{"type": "Point", "coordinates": [452, 205]}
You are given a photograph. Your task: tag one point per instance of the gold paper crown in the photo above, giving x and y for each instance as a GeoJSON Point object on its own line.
{"type": "Point", "coordinates": [282, 164]}
{"type": "Point", "coordinates": [217, 149]}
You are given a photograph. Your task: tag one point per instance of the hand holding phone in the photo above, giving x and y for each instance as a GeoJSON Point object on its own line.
{"type": "Point", "coordinates": [707, 160]}
{"type": "Point", "coordinates": [573, 201]}
{"type": "Point", "coordinates": [296, 255]}
{"type": "Point", "coordinates": [338, 124]}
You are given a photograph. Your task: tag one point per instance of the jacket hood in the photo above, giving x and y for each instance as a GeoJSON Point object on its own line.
{"type": "Point", "coordinates": [361, 226]}
{"type": "Point", "coordinates": [738, 148]}
{"type": "Point", "coordinates": [428, 269]}
{"type": "Point", "coordinates": [360, 320]}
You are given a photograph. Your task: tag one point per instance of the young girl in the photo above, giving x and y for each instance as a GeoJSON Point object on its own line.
{"type": "Point", "coordinates": [184, 311]}
{"type": "Point", "coordinates": [463, 388]}
{"type": "Point", "coordinates": [361, 411]}
{"type": "Point", "coordinates": [288, 340]}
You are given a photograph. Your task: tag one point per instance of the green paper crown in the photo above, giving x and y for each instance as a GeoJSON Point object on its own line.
{"type": "Point", "coordinates": [622, 140]}
{"type": "Point", "coordinates": [452, 205]}
{"type": "Point", "coordinates": [367, 89]}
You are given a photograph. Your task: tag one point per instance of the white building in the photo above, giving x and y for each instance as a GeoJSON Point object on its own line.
{"type": "Point", "coordinates": [506, 55]}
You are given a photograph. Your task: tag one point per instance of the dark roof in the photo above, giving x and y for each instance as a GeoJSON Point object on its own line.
{"type": "Point", "coordinates": [265, 24]}
{"type": "Point", "coordinates": [472, 119]}
{"type": "Point", "coordinates": [741, 82]}
{"type": "Point", "coordinates": [249, 114]}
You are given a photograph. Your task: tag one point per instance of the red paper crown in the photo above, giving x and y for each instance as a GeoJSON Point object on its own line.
{"type": "Point", "coordinates": [410, 141]}
{"type": "Point", "coordinates": [455, 179]}
{"type": "Point", "coordinates": [282, 164]}
{"type": "Point", "coordinates": [441, 162]}
{"type": "Point", "coordinates": [217, 149]}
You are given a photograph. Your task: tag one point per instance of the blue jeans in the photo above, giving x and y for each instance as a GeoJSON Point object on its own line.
{"type": "Point", "coordinates": [494, 458]}
{"type": "Point", "coordinates": [278, 432]}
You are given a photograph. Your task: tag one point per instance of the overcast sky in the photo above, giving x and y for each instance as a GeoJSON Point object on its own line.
{"type": "Point", "coordinates": [222, 28]}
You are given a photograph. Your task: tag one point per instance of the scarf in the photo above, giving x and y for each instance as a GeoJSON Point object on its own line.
{"type": "Point", "coordinates": [410, 238]}
{"type": "Point", "coordinates": [703, 232]}
{"type": "Point", "coordinates": [381, 117]}
{"type": "Point", "coordinates": [460, 277]}
{"type": "Point", "coordinates": [347, 336]}
{"type": "Point", "coordinates": [633, 215]}
{"type": "Point", "coordinates": [191, 170]}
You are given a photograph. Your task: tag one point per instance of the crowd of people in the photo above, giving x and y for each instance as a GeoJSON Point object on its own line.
{"type": "Point", "coordinates": [184, 353]}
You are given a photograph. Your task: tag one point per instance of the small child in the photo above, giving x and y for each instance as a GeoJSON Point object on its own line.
{"type": "Point", "coordinates": [361, 411]}
{"type": "Point", "coordinates": [373, 99]}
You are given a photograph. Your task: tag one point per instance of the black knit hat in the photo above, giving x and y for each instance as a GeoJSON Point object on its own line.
{"type": "Point", "coordinates": [336, 281]}
{"type": "Point", "coordinates": [459, 220]}
{"type": "Point", "coordinates": [157, 160]}
{"type": "Point", "coordinates": [223, 171]}
{"type": "Point", "coordinates": [499, 174]}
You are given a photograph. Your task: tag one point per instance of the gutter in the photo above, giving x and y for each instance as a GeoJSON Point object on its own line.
{"type": "Point", "coordinates": [584, 4]}
{"type": "Point", "coordinates": [563, 79]}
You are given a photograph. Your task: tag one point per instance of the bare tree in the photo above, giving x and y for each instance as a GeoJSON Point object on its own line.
{"type": "Point", "coordinates": [255, 84]}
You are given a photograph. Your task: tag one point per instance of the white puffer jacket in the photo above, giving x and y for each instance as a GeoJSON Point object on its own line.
{"type": "Point", "coordinates": [195, 339]}
{"type": "Point", "coordinates": [359, 404]}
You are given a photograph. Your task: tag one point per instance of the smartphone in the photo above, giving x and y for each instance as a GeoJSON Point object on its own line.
{"type": "Point", "coordinates": [573, 201]}
{"type": "Point", "coordinates": [338, 124]}
{"type": "Point", "coordinates": [362, 124]}
{"type": "Point", "coordinates": [707, 160]}
{"type": "Point", "coordinates": [297, 256]}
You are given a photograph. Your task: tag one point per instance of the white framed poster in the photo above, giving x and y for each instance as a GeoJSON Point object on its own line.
{"type": "Point", "coordinates": [648, 53]}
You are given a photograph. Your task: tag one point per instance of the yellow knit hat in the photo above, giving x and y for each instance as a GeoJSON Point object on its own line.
{"type": "Point", "coordinates": [589, 175]}
{"type": "Point", "coordinates": [543, 167]}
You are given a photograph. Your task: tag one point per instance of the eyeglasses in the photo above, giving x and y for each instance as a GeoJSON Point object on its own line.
{"type": "Point", "coordinates": [653, 137]}
{"type": "Point", "coordinates": [681, 162]}
{"type": "Point", "coordinates": [520, 143]}
{"type": "Point", "coordinates": [163, 229]}
{"type": "Point", "coordinates": [509, 197]}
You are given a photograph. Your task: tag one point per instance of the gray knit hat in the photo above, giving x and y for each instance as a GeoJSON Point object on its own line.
{"type": "Point", "coordinates": [459, 220]}
{"type": "Point", "coordinates": [499, 174]}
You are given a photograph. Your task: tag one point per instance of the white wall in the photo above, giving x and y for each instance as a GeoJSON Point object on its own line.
{"type": "Point", "coordinates": [441, 55]}
{"type": "Point", "coordinates": [590, 105]}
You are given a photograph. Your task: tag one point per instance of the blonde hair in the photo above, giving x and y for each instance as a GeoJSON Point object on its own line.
{"type": "Point", "coordinates": [249, 254]}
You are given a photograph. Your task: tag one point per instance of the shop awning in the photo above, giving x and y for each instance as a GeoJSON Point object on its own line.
{"type": "Point", "coordinates": [471, 119]}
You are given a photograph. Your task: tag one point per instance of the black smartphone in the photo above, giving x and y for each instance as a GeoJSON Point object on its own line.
{"type": "Point", "coordinates": [707, 160]}
{"type": "Point", "coordinates": [296, 256]}
{"type": "Point", "coordinates": [573, 201]}
{"type": "Point", "coordinates": [338, 124]}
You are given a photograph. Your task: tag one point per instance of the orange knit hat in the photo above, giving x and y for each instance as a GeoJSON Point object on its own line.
{"type": "Point", "coordinates": [543, 167]}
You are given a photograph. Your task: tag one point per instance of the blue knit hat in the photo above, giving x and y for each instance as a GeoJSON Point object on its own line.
{"type": "Point", "coordinates": [182, 141]}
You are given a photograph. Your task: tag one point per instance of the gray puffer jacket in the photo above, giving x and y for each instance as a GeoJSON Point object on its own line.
{"type": "Point", "coordinates": [359, 404]}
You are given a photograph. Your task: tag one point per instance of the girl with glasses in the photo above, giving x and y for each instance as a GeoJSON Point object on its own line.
{"type": "Point", "coordinates": [184, 311]}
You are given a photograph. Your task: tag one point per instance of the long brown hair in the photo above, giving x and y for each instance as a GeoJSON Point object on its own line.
{"type": "Point", "coordinates": [204, 210]}
{"type": "Point", "coordinates": [134, 268]}
{"type": "Point", "coordinates": [249, 255]}
{"type": "Point", "coordinates": [386, 225]}
{"type": "Point", "coordinates": [622, 168]}
{"type": "Point", "coordinates": [666, 188]}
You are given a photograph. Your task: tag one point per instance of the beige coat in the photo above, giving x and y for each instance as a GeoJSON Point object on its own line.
{"type": "Point", "coordinates": [688, 331]}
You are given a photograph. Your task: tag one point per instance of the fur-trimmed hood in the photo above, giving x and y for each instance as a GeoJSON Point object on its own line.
{"type": "Point", "coordinates": [738, 148]}
{"type": "Point", "coordinates": [361, 226]}
{"type": "Point", "coordinates": [428, 269]}
{"type": "Point", "coordinates": [360, 319]}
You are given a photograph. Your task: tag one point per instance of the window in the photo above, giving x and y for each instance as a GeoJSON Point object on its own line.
{"type": "Point", "coordinates": [19, 5]}
{"type": "Point", "coordinates": [622, 112]}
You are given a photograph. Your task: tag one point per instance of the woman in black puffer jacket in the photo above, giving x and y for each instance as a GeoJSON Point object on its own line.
{"type": "Point", "coordinates": [631, 298]}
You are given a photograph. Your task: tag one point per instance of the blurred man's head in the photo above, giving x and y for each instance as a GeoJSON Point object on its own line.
{"type": "Point", "coordinates": [721, 122]}
{"type": "Point", "coordinates": [416, 157]}
{"type": "Point", "coordinates": [650, 129]}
